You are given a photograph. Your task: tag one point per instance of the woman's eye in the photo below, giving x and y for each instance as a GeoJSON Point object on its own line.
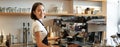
{"type": "Point", "coordinates": [39, 10]}
{"type": "Point", "coordinates": [43, 10]}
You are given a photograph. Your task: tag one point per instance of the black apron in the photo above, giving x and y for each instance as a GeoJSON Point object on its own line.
{"type": "Point", "coordinates": [45, 40]}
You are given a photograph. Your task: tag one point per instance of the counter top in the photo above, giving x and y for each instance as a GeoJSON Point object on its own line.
{"type": "Point", "coordinates": [17, 44]}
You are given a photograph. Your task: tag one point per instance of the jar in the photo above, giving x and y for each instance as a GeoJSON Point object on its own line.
{"type": "Point", "coordinates": [87, 10]}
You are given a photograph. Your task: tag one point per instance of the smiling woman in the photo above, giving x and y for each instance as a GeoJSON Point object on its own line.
{"type": "Point", "coordinates": [39, 33]}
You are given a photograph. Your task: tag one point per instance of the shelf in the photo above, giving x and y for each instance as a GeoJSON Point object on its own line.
{"type": "Point", "coordinates": [58, 14]}
{"type": "Point", "coordinates": [68, 6]}
{"type": "Point", "coordinates": [92, 0]}
{"type": "Point", "coordinates": [28, 14]}
{"type": "Point", "coordinates": [47, 14]}
{"type": "Point", "coordinates": [62, 14]}
{"type": "Point", "coordinates": [14, 14]}
{"type": "Point", "coordinates": [88, 15]}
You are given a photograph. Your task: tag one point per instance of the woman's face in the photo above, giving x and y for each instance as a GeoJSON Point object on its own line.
{"type": "Point", "coordinates": [39, 12]}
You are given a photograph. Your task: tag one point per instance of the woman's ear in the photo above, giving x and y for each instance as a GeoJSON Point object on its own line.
{"type": "Point", "coordinates": [45, 14]}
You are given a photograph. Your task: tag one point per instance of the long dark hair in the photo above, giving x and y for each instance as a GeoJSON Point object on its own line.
{"type": "Point", "coordinates": [35, 5]}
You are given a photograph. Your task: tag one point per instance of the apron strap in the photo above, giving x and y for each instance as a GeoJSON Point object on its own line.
{"type": "Point", "coordinates": [45, 40]}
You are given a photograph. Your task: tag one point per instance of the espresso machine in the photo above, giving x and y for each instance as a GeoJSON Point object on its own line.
{"type": "Point", "coordinates": [74, 29]}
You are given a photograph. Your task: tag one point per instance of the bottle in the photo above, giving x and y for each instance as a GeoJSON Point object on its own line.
{"type": "Point", "coordinates": [51, 32]}
{"type": "Point", "coordinates": [76, 9]}
{"type": "Point", "coordinates": [9, 38]}
{"type": "Point", "coordinates": [80, 10]}
{"type": "Point", "coordinates": [2, 37]}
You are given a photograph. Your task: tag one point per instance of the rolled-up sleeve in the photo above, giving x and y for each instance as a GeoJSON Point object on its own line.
{"type": "Point", "coordinates": [37, 27]}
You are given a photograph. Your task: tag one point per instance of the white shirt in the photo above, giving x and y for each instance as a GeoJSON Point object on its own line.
{"type": "Point", "coordinates": [37, 26]}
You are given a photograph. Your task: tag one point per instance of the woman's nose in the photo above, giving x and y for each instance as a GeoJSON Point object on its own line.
{"type": "Point", "coordinates": [42, 12]}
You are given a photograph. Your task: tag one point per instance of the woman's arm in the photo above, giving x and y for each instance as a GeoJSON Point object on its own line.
{"type": "Point", "coordinates": [38, 40]}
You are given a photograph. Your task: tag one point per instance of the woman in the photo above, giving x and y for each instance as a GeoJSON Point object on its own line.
{"type": "Point", "coordinates": [39, 32]}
